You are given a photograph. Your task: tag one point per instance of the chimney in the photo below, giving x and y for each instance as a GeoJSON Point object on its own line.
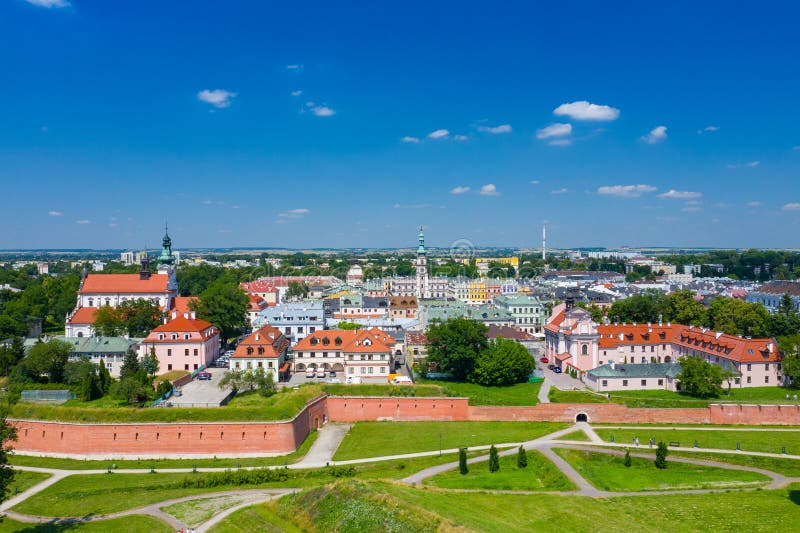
{"type": "Point", "coordinates": [613, 365]}
{"type": "Point", "coordinates": [769, 347]}
{"type": "Point", "coordinates": [165, 320]}
{"type": "Point", "coordinates": [258, 337]}
{"type": "Point", "coordinates": [193, 315]}
{"type": "Point", "coordinates": [174, 315]}
{"type": "Point", "coordinates": [144, 273]}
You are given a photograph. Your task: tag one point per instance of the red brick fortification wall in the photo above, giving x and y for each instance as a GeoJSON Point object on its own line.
{"type": "Point", "coordinates": [595, 413]}
{"type": "Point", "coordinates": [355, 409]}
{"type": "Point", "coordinates": [163, 439]}
{"type": "Point", "coordinates": [755, 414]}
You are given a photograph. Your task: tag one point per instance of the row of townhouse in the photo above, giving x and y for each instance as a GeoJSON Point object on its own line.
{"type": "Point", "coordinates": [573, 341]}
{"type": "Point", "coordinates": [367, 353]}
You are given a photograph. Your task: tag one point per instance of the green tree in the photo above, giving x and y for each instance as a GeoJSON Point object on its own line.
{"type": "Point", "coordinates": [90, 387]}
{"type": "Point", "coordinates": [502, 362]}
{"type": "Point", "coordinates": [700, 378]}
{"type": "Point", "coordinates": [108, 322]}
{"type": "Point", "coordinates": [494, 460]}
{"type": "Point", "coordinates": [130, 365]}
{"type": "Point", "coordinates": [139, 316]}
{"type": "Point", "coordinates": [522, 458]}
{"type": "Point", "coordinates": [131, 390]}
{"type": "Point", "coordinates": [150, 362]}
{"type": "Point", "coordinates": [47, 360]}
{"type": "Point", "coordinates": [627, 461]}
{"type": "Point", "coordinates": [105, 377]}
{"type": "Point", "coordinates": [11, 328]}
{"type": "Point", "coordinates": [163, 388]}
{"type": "Point", "coordinates": [76, 370]}
{"type": "Point", "coordinates": [225, 305]}
{"type": "Point", "coordinates": [682, 307]}
{"type": "Point", "coordinates": [454, 345]}
{"type": "Point", "coordinates": [297, 290]}
{"type": "Point", "coordinates": [265, 383]}
{"type": "Point", "coordinates": [737, 317]}
{"type": "Point", "coordinates": [348, 325]}
{"type": "Point", "coordinates": [462, 461]}
{"type": "Point", "coordinates": [661, 455]}
{"type": "Point", "coordinates": [646, 307]}
{"type": "Point", "coordinates": [8, 434]}
{"type": "Point", "coordinates": [787, 305]}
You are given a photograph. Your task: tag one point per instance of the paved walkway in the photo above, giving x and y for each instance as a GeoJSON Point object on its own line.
{"type": "Point", "coordinates": [329, 437]}
{"type": "Point", "coordinates": [544, 391]}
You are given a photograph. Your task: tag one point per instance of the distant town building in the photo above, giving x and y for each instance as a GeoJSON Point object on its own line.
{"type": "Point", "coordinates": [183, 342]}
{"type": "Point", "coordinates": [771, 294]}
{"type": "Point", "coordinates": [265, 348]}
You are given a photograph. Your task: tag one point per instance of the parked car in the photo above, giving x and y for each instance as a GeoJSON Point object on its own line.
{"type": "Point", "coordinates": [544, 360]}
{"type": "Point", "coordinates": [353, 380]}
{"type": "Point", "coordinates": [334, 380]}
{"type": "Point", "coordinates": [204, 376]}
{"type": "Point", "coordinates": [402, 380]}
{"type": "Point", "coordinates": [332, 374]}
{"type": "Point", "coordinates": [551, 366]}
{"type": "Point", "coordinates": [320, 373]}
{"type": "Point", "coordinates": [557, 370]}
{"type": "Point", "coordinates": [310, 373]}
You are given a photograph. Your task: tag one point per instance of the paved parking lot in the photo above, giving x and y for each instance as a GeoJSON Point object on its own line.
{"type": "Point", "coordinates": [199, 393]}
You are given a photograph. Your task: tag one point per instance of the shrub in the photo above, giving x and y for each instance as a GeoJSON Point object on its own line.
{"type": "Point", "coordinates": [522, 458]}
{"type": "Point", "coordinates": [494, 460]}
{"type": "Point", "coordinates": [661, 455]}
{"type": "Point", "coordinates": [627, 461]}
{"type": "Point", "coordinates": [462, 461]}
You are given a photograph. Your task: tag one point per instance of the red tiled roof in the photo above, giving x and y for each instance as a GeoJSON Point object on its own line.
{"type": "Point", "coordinates": [124, 283]}
{"type": "Point", "coordinates": [508, 332]}
{"type": "Point", "coordinates": [258, 286]}
{"type": "Point", "coordinates": [257, 303]}
{"type": "Point", "coordinates": [563, 356]}
{"type": "Point", "coordinates": [181, 304]}
{"type": "Point", "coordinates": [351, 341]}
{"type": "Point", "coordinates": [84, 315]}
{"type": "Point", "coordinates": [268, 339]}
{"type": "Point", "coordinates": [416, 338]}
{"type": "Point", "coordinates": [181, 324]}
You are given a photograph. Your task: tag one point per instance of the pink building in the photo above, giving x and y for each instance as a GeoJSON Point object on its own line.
{"type": "Point", "coordinates": [574, 341]}
{"type": "Point", "coordinates": [183, 343]}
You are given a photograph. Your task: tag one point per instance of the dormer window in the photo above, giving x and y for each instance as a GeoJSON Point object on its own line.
{"type": "Point", "coordinates": [174, 336]}
{"type": "Point", "coordinates": [313, 341]}
{"type": "Point", "coordinates": [326, 341]}
{"type": "Point", "coordinates": [337, 341]}
{"type": "Point", "coordinates": [186, 336]}
{"type": "Point", "coordinates": [161, 336]}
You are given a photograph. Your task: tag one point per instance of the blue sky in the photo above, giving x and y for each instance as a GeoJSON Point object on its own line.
{"type": "Point", "coordinates": [349, 124]}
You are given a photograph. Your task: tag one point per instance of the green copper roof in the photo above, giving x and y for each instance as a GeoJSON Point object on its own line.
{"type": "Point", "coordinates": [652, 370]}
{"type": "Point", "coordinates": [421, 247]}
{"type": "Point", "coordinates": [166, 256]}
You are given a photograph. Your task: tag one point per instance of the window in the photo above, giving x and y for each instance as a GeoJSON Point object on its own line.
{"type": "Point", "coordinates": [605, 383]}
{"type": "Point", "coordinates": [287, 330]}
{"type": "Point", "coordinates": [313, 355]}
{"type": "Point", "coordinates": [186, 351]}
{"type": "Point", "coordinates": [312, 329]}
{"type": "Point", "coordinates": [169, 367]}
{"type": "Point", "coordinates": [370, 370]}
{"type": "Point", "coordinates": [195, 352]}
{"type": "Point", "coordinates": [749, 367]}
{"type": "Point", "coordinates": [653, 348]}
{"type": "Point", "coordinates": [186, 336]}
{"type": "Point", "coordinates": [174, 336]}
{"type": "Point", "coordinates": [351, 370]}
{"type": "Point", "coordinates": [660, 382]}
{"type": "Point", "coordinates": [766, 366]}
{"type": "Point", "coordinates": [749, 379]}
{"type": "Point", "coordinates": [584, 350]}
{"type": "Point", "coordinates": [644, 383]}
{"type": "Point", "coordinates": [624, 382]}
{"type": "Point", "coordinates": [195, 366]}
{"type": "Point", "coordinates": [766, 379]}
{"type": "Point", "coordinates": [737, 380]}
{"type": "Point", "coordinates": [169, 352]}
{"type": "Point", "coordinates": [260, 364]}
{"type": "Point", "coordinates": [324, 354]}
{"type": "Point", "coordinates": [383, 370]}
{"type": "Point", "coordinates": [632, 348]}
{"type": "Point", "coordinates": [238, 365]}
{"type": "Point", "coordinates": [644, 348]}
{"type": "Point", "coordinates": [186, 367]}
{"type": "Point", "coordinates": [260, 350]}
{"type": "Point", "coordinates": [363, 370]}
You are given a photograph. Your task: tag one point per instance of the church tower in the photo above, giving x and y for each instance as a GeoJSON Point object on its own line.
{"type": "Point", "coordinates": [166, 257]}
{"type": "Point", "coordinates": [421, 266]}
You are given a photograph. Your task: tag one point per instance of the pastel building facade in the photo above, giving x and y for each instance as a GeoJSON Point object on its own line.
{"type": "Point", "coordinates": [265, 348]}
{"type": "Point", "coordinates": [183, 343]}
{"type": "Point", "coordinates": [366, 353]}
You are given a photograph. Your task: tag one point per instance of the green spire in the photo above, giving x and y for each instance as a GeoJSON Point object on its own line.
{"type": "Point", "coordinates": [421, 247]}
{"type": "Point", "coordinates": [166, 257]}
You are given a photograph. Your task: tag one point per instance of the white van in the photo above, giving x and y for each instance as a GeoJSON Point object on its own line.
{"type": "Point", "coordinates": [353, 380]}
{"type": "Point", "coordinates": [402, 380]}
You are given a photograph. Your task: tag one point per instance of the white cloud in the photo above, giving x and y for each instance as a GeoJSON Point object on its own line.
{"type": "Point", "coordinates": [294, 68]}
{"type": "Point", "coordinates": [55, 213]}
{"type": "Point", "coordinates": [298, 92]}
{"type": "Point", "coordinates": [535, 182]}
{"type": "Point", "coordinates": [708, 129]}
{"type": "Point", "coordinates": [460, 138]}
{"type": "Point", "coordinates": [583, 110]}
{"type": "Point", "coordinates": [409, 139]}
{"type": "Point", "coordinates": [680, 195]}
{"type": "Point", "coordinates": [323, 111]}
{"type": "Point", "coordinates": [489, 190]}
{"type": "Point", "coordinates": [625, 191]}
{"type": "Point", "coordinates": [460, 190]}
{"type": "Point", "coordinates": [84, 221]}
{"type": "Point", "coordinates": [562, 190]}
{"type": "Point", "coordinates": [560, 142]}
{"type": "Point", "coordinates": [219, 98]}
{"type": "Point", "coordinates": [794, 206]}
{"type": "Point", "coordinates": [439, 134]}
{"type": "Point", "coordinates": [749, 164]}
{"type": "Point", "coordinates": [656, 135]}
{"type": "Point", "coordinates": [49, 3]}
{"type": "Point", "coordinates": [754, 203]}
{"type": "Point", "coordinates": [502, 128]}
{"type": "Point", "coordinates": [554, 130]}
{"type": "Point", "coordinates": [295, 213]}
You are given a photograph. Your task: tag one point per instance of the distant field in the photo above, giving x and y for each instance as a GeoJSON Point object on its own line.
{"type": "Point", "coordinates": [373, 439]}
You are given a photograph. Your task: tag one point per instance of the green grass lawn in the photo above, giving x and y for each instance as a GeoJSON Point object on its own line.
{"type": "Point", "coordinates": [195, 512]}
{"type": "Point", "coordinates": [247, 407]}
{"type": "Point", "coordinates": [518, 394]}
{"type": "Point", "coordinates": [663, 398]}
{"type": "Point", "coordinates": [607, 472]}
{"type": "Point", "coordinates": [373, 439]}
{"type": "Point", "coordinates": [768, 510]}
{"type": "Point", "coordinates": [92, 494]}
{"type": "Point", "coordinates": [262, 517]}
{"type": "Point", "coordinates": [787, 467]}
{"type": "Point", "coordinates": [753, 441]}
{"type": "Point", "coordinates": [385, 389]}
{"type": "Point", "coordinates": [77, 464]}
{"type": "Point", "coordinates": [128, 524]}
{"type": "Point", "coordinates": [24, 480]}
{"type": "Point", "coordinates": [540, 474]}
